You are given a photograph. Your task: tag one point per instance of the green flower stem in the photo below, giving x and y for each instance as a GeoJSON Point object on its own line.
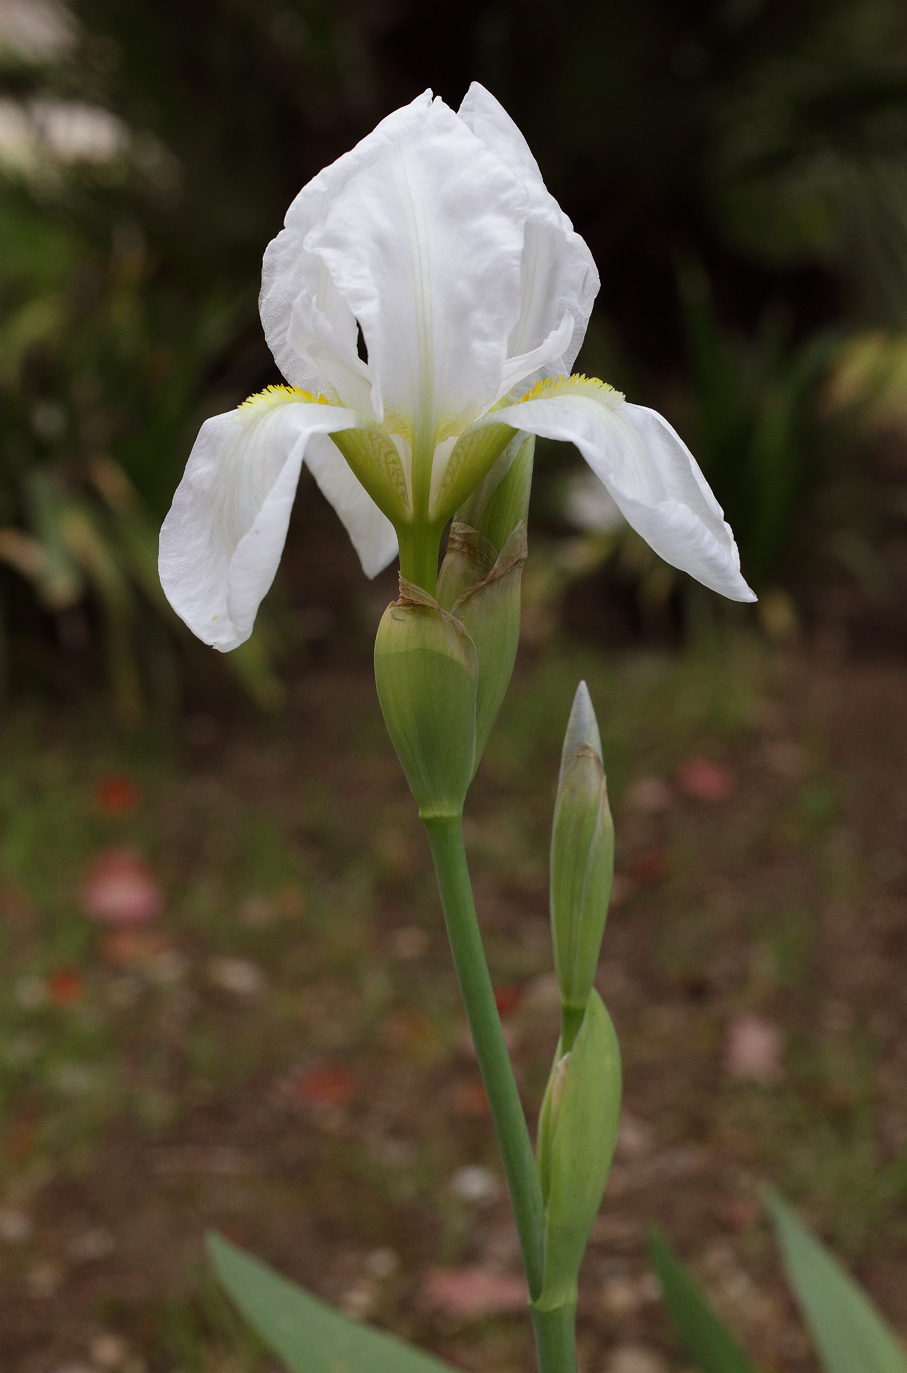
{"type": "Point", "coordinates": [555, 1338]}
{"type": "Point", "coordinates": [571, 1020]}
{"type": "Point", "coordinates": [419, 549]}
{"type": "Point", "coordinates": [553, 1329]}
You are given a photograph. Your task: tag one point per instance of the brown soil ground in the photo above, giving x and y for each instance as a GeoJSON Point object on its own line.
{"type": "Point", "coordinates": [786, 901]}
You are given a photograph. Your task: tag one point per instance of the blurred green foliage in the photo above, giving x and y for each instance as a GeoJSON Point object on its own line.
{"type": "Point", "coordinates": [98, 378]}
{"type": "Point", "coordinates": [148, 152]}
{"type": "Point", "coordinates": [847, 1327]}
{"type": "Point", "coordinates": [754, 421]}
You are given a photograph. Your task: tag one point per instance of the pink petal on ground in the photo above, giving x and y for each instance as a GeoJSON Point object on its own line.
{"type": "Point", "coordinates": [329, 1084]}
{"type": "Point", "coordinates": [738, 1213]}
{"type": "Point", "coordinates": [649, 867]}
{"type": "Point", "coordinates": [650, 794]}
{"type": "Point", "coordinates": [116, 794]}
{"type": "Point", "coordinates": [753, 1050]}
{"type": "Point", "coordinates": [135, 948]}
{"type": "Point", "coordinates": [65, 986]}
{"type": "Point", "coordinates": [706, 781]}
{"type": "Point", "coordinates": [15, 907]}
{"type": "Point", "coordinates": [471, 1292]}
{"type": "Point", "coordinates": [236, 975]}
{"type": "Point", "coordinates": [120, 890]}
{"type": "Point", "coordinates": [622, 888]}
{"type": "Point", "coordinates": [508, 1000]}
{"type": "Point", "coordinates": [470, 1099]}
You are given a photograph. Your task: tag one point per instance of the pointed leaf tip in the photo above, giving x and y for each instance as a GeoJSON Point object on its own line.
{"type": "Point", "coordinates": [704, 1337]}
{"type": "Point", "coordinates": [305, 1333]}
{"type": "Point", "coordinates": [849, 1331]}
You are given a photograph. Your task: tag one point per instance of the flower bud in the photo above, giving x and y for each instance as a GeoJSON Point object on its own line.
{"type": "Point", "coordinates": [481, 576]}
{"type": "Point", "coordinates": [576, 1138]}
{"type": "Point", "coordinates": [426, 671]}
{"type": "Point", "coordinates": [501, 501]}
{"type": "Point", "coordinates": [490, 612]}
{"type": "Point", "coordinates": [582, 861]}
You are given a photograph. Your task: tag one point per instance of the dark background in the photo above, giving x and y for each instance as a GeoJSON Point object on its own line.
{"type": "Point", "coordinates": [737, 168]}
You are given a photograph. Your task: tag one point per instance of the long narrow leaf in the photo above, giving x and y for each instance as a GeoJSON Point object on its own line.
{"type": "Point", "coordinates": [309, 1336]}
{"type": "Point", "coordinates": [705, 1338]}
{"type": "Point", "coordinates": [850, 1332]}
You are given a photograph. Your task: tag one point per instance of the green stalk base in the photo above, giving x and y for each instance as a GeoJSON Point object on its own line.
{"type": "Point", "coordinates": [555, 1338]}
{"type": "Point", "coordinates": [554, 1330]}
{"type": "Point", "coordinates": [446, 838]}
{"type": "Point", "coordinates": [571, 1020]}
{"type": "Point", "coordinates": [419, 551]}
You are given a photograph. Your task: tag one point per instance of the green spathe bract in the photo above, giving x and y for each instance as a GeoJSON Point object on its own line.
{"type": "Point", "coordinates": [486, 523]}
{"type": "Point", "coordinates": [481, 576]}
{"type": "Point", "coordinates": [577, 1134]}
{"type": "Point", "coordinates": [501, 501]}
{"type": "Point", "coordinates": [582, 861]}
{"type": "Point", "coordinates": [427, 674]}
{"type": "Point", "coordinates": [490, 612]}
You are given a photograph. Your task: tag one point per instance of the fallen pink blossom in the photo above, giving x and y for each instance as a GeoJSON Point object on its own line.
{"type": "Point", "coordinates": [327, 1084]}
{"type": "Point", "coordinates": [706, 781]}
{"type": "Point", "coordinates": [753, 1050]}
{"type": "Point", "coordinates": [471, 1292]}
{"type": "Point", "coordinates": [119, 889]}
{"type": "Point", "coordinates": [116, 794]}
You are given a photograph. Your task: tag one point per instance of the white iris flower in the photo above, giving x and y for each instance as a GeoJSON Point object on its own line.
{"type": "Point", "coordinates": [436, 239]}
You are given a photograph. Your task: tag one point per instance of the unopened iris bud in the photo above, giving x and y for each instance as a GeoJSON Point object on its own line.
{"type": "Point", "coordinates": [426, 671]}
{"type": "Point", "coordinates": [501, 501]}
{"type": "Point", "coordinates": [576, 1138]}
{"type": "Point", "coordinates": [582, 862]}
{"type": "Point", "coordinates": [481, 576]}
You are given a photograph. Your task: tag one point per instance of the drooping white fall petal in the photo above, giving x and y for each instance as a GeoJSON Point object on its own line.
{"type": "Point", "coordinates": [222, 539]}
{"type": "Point", "coordinates": [652, 475]}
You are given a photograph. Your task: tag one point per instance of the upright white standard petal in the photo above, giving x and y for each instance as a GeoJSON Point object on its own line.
{"type": "Point", "coordinates": [309, 326]}
{"type": "Point", "coordinates": [222, 540]}
{"type": "Point", "coordinates": [648, 469]}
{"type": "Point", "coordinates": [558, 279]}
{"type": "Point", "coordinates": [436, 238]}
{"type": "Point", "coordinates": [425, 244]}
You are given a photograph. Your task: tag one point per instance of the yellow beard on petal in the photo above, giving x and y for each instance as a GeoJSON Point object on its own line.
{"type": "Point", "coordinates": [577, 384]}
{"type": "Point", "coordinates": [280, 395]}
{"type": "Point", "coordinates": [368, 449]}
